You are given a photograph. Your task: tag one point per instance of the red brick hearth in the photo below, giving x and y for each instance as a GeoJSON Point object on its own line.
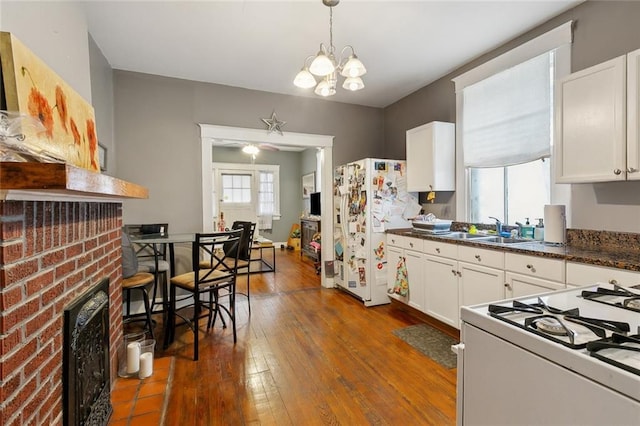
{"type": "Point", "coordinates": [50, 253]}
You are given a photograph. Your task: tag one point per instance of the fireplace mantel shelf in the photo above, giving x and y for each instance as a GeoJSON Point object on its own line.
{"type": "Point", "coordinates": [63, 182]}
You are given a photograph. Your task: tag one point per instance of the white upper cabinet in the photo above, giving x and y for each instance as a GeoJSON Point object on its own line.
{"type": "Point", "coordinates": [431, 157]}
{"type": "Point", "coordinates": [633, 119]}
{"type": "Point", "coordinates": [597, 123]}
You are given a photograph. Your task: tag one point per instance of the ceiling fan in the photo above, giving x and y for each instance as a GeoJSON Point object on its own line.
{"type": "Point", "coordinates": [262, 146]}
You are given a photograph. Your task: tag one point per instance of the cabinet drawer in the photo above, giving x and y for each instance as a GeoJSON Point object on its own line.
{"type": "Point", "coordinates": [408, 243]}
{"type": "Point", "coordinates": [478, 256]}
{"type": "Point", "coordinates": [580, 274]}
{"type": "Point", "coordinates": [534, 266]}
{"type": "Point", "coordinates": [415, 244]}
{"type": "Point", "coordinates": [394, 240]}
{"type": "Point", "coordinates": [438, 248]}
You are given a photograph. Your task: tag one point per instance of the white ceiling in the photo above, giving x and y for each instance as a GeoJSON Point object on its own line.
{"type": "Point", "coordinates": [262, 44]}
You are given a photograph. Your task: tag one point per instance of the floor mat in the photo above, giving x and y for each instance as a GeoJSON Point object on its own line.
{"type": "Point", "coordinates": [431, 342]}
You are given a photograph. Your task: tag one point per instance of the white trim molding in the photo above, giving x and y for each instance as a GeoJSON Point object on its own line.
{"type": "Point", "coordinates": [550, 40]}
{"type": "Point", "coordinates": [210, 132]}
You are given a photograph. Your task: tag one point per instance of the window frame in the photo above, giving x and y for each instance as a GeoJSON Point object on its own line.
{"type": "Point", "coordinates": [217, 170]}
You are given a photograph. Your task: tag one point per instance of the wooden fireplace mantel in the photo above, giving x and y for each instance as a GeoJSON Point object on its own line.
{"type": "Point", "coordinates": [63, 182]}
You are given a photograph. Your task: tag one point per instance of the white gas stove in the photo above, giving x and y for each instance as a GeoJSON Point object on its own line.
{"type": "Point", "coordinates": [566, 357]}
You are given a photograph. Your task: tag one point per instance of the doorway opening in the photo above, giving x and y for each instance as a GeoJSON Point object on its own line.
{"type": "Point", "coordinates": [210, 134]}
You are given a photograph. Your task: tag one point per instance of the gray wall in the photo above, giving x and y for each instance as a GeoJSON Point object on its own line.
{"type": "Point", "coordinates": [603, 30]}
{"type": "Point", "coordinates": [290, 184]}
{"type": "Point", "coordinates": [158, 140]}
{"type": "Point", "coordinates": [102, 93]}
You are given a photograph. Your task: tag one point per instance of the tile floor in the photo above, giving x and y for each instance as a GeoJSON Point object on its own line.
{"type": "Point", "coordinates": [142, 402]}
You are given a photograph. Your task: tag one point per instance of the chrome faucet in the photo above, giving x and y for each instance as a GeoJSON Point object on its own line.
{"type": "Point", "coordinates": [520, 225]}
{"type": "Point", "coordinates": [498, 224]}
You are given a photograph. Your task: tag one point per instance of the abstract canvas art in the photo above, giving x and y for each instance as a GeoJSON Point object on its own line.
{"type": "Point", "coordinates": [30, 87]}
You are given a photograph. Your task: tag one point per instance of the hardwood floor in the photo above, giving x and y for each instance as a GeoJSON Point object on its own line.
{"type": "Point", "coordinates": [307, 355]}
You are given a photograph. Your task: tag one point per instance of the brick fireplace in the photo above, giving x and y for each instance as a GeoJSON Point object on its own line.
{"type": "Point", "coordinates": [50, 253]}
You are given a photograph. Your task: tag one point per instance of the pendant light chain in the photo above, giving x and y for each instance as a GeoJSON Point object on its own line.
{"type": "Point", "coordinates": [331, 48]}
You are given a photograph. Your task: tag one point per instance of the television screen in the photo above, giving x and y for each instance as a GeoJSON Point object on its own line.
{"type": "Point", "coordinates": [315, 203]}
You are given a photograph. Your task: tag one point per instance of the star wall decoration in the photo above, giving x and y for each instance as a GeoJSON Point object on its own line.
{"type": "Point", "coordinates": [273, 124]}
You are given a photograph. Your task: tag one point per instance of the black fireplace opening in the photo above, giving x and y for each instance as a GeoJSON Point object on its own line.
{"type": "Point", "coordinates": [86, 372]}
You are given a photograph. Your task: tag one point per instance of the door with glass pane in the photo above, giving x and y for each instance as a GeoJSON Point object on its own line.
{"type": "Point", "coordinates": [237, 195]}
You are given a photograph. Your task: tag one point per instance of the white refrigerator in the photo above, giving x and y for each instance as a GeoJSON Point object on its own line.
{"type": "Point", "coordinates": [370, 196]}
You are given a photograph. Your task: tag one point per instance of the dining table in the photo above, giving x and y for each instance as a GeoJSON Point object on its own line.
{"type": "Point", "coordinates": [154, 241]}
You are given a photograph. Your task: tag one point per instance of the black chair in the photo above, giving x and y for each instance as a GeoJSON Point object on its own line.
{"type": "Point", "coordinates": [244, 255]}
{"type": "Point", "coordinates": [135, 280]}
{"type": "Point", "coordinates": [214, 281]}
{"type": "Point", "coordinates": [152, 258]}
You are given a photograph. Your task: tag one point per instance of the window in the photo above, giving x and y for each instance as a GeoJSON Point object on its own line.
{"type": "Point", "coordinates": [506, 137]}
{"type": "Point", "coordinates": [236, 188]}
{"type": "Point", "coordinates": [505, 130]}
{"type": "Point", "coordinates": [266, 194]}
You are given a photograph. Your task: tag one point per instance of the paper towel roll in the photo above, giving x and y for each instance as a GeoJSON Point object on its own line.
{"type": "Point", "coordinates": [555, 224]}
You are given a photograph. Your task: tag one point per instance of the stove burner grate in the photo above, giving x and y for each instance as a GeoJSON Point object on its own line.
{"type": "Point", "coordinates": [618, 296]}
{"type": "Point", "coordinates": [618, 350]}
{"type": "Point", "coordinates": [551, 323]}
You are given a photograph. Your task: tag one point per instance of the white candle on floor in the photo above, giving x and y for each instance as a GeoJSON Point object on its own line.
{"type": "Point", "coordinates": [133, 357]}
{"type": "Point", "coordinates": [146, 365]}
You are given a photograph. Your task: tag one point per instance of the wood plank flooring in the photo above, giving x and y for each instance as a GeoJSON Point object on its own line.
{"type": "Point", "coordinates": [307, 356]}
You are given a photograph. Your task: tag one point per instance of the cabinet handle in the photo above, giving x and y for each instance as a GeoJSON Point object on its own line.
{"type": "Point", "coordinates": [529, 266]}
{"type": "Point", "coordinates": [631, 170]}
{"type": "Point", "coordinates": [393, 241]}
{"type": "Point", "coordinates": [459, 273]}
{"type": "Point", "coordinates": [437, 250]}
{"type": "Point", "coordinates": [506, 285]}
{"type": "Point", "coordinates": [612, 281]}
{"type": "Point", "coordinates": [617, 172]}
{"type": "Point", "coordinates": [478, 258]}
{"type": "Point", "coordinates": [411, 245]}
{"type": "Point", "coordinates": [453, 272]}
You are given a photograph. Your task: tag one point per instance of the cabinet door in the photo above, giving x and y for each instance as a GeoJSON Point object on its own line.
{"type": "Point", "coordinates": [441, 297]}
{"type": "Point", "coordinates": [479, 284]}
{"type": "Point", "coordinates": [415, 271]}
{"type": "Point", "coordinates": [633, 120]}
{"type": "Point", "coordinates": [591, 124]}
{"type": "Point", "coordinates": [521, 285]}
{"type": "Point", "coordinates": [395, 255]}
{"type": "Point", "coordinates": [430, 152]}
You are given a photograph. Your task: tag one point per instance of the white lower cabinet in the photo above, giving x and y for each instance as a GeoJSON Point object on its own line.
{"type": "Point", "coordinates": [527, 275]}
{"type": "Point", "coordinates": [414, 262]}
{"type": "Point", "coordinates": [415, 271]}
{"type": "Point", "coordinates": [444, 276]}
{"type": "Point", "coordinates": [580, 274]}
{"type": "Point", "coordinates": [521, 285]}
{"type": "Point", "coordinates": [480, 284]}
{"type": "Point", "coordinates": [442, 289]}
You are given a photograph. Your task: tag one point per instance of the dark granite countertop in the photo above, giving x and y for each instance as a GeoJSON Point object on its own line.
{"type": "Point", "coordinates": [599, 248]}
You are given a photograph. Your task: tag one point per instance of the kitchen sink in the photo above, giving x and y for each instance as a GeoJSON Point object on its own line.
{"type": "Point", "coordinates": [506, 240]}
{"type": "Point", "coordinates": [465, 236]}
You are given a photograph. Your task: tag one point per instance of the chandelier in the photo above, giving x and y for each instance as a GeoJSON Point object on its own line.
{"type": "Point", "coordinates": [325, 66]}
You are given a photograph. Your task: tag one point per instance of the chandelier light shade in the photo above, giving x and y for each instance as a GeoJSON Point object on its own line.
{"type": "Point", "coordinates": [325, 66]}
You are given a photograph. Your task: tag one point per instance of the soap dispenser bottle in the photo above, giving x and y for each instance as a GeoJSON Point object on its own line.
{"type": "Point", "coordinates": [527, 230]}
{"type": "Point", "coordinates": [538, 232]}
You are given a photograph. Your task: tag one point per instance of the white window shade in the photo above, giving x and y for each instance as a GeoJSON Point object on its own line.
{"type": "Point", "coordinates": [507, 116]}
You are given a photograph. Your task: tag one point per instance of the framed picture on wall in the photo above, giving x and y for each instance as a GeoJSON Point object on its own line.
{"type": "Point", "coordinates": [102, 157]}
{"type": "Point", "coordinates": [308, 184]}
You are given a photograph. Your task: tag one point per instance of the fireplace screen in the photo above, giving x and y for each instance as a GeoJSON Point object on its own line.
{"type": "Point", "coordinates": [86, 380]}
